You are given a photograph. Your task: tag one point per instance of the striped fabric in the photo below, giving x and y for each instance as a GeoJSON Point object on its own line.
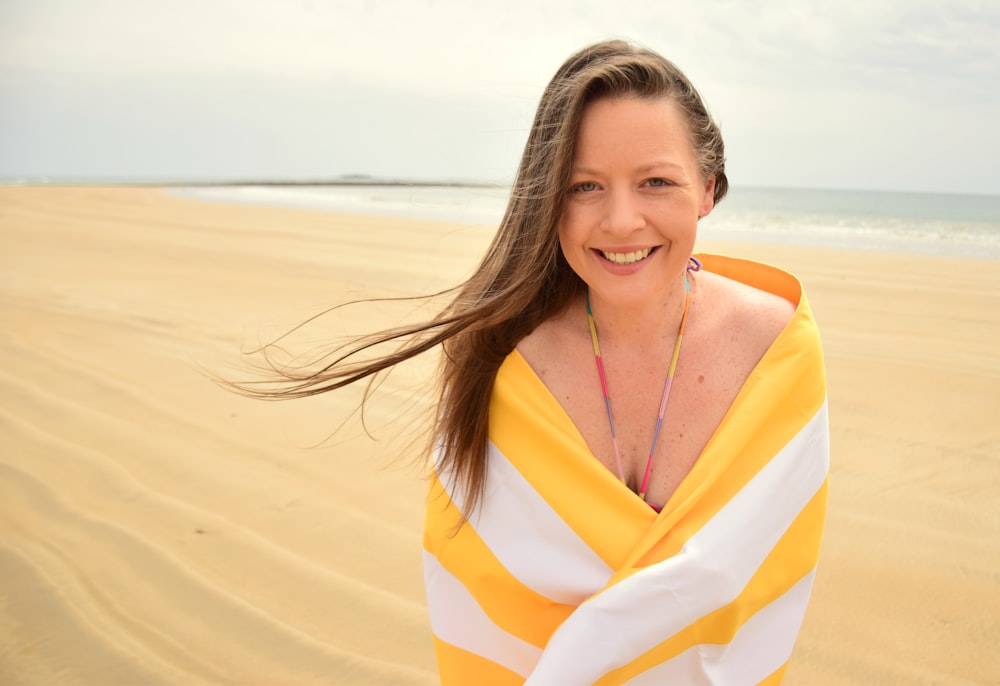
{"type": "Point", "coordinates": [562, 576]}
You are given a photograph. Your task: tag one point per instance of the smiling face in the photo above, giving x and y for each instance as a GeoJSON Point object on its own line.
{"type": "Point", "coordinates": [629, 223]}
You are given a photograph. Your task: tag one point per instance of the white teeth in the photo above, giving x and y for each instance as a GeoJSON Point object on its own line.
{"type": "Point", "coordinates": [627, 257]}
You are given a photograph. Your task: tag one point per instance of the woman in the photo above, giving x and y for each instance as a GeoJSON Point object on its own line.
{"type": "Point", "coordinates": [631, 441]}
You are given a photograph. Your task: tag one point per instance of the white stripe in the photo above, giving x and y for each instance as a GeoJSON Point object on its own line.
{"type": "Point", "coordinates": [758, 649]}
{"type": "Point", "coordinates": [457, 618]}
{"type": "Point", "coordinates": [710, 571]}
{"type": "Point", "coordinates": [529, 538]}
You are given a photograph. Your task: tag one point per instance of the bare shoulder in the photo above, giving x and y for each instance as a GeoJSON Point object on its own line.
{"type": "Point", "coordinates": [549, 336]}
{"type": "Point", "coordinates": [752, 316]}
{"type": "Point", "coordinates": [555, 347]}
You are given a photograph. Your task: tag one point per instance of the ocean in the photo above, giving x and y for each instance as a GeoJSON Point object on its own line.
{"type": "Point", "coordinates": [922, 223]}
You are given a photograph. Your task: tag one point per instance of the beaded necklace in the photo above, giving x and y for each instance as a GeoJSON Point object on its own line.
{"type": "Point", "coordinates": [694, 265]}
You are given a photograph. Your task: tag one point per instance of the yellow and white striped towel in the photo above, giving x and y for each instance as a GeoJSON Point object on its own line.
{"type": "Point", "coordinates": [562, 576]}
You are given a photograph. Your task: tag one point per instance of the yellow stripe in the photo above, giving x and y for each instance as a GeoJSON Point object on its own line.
{"type": "Point", "coordinates": [456, 665]}
{"type": "Point", "coordinates": [776, 678]}
{"type": "Point", "coordinates": [789, 561]}
{"type": "Point", "coordinates": [526, 422]}
{"type": "Point", "coordinates": [514, 607]}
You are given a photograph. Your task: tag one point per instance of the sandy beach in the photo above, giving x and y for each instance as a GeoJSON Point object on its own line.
{"type": "Point", "coordinates": [157, 529]}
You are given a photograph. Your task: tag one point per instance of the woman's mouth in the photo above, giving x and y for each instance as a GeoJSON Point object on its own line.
{"type": "Point", "coordinates": [626, 257]}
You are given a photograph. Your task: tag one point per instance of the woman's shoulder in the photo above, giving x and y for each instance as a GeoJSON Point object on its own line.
{"type": "Point", "coordinates": [557, 342]}
{"type": "Point", "coordinates": [558, 328]}
{"type": "Point", "coordinates": [750, 315]}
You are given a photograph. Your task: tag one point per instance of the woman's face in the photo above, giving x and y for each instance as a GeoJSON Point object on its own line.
{"type": "Point", "coordinates": [635, 196]}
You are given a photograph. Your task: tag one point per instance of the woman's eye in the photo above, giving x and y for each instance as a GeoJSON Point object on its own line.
{"type": "Point", "coordinates": [585, 187]}
{"type": "Point", "coordinates": [658, 183]}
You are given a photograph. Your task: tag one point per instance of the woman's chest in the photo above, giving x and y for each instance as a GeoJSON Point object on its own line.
{"type": "Point", "coordinates": [639, 411]}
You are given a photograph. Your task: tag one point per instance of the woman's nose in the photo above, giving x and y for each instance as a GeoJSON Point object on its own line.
{"type": "Point", "coordinates": [622, 213]}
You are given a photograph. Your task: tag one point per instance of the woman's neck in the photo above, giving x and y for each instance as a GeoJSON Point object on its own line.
{"type": "Point", "coordinates": [640, 323]}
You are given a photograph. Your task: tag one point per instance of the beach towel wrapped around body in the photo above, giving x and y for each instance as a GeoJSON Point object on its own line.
{"type": "Point", "coordinates": [563, 576]}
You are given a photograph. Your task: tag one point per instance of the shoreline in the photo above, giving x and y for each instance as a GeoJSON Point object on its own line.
{"type": "Point", "coordinates": [157, 529]}
{"type": "Point", "coordinates": [784, 218]}
{"type": "Point", "coordinates": [363, 180]}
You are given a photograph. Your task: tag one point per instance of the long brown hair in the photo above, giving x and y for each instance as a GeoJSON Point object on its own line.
{"type": "Point", "coordinates": [524, 279]}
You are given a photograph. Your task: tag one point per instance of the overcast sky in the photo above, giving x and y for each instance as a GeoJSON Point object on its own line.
{"type": "Point", "coordinates": [866, 94]}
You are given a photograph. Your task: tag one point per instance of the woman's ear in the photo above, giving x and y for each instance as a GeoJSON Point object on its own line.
{"type": "Point", "coordinates": [708, 200]}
